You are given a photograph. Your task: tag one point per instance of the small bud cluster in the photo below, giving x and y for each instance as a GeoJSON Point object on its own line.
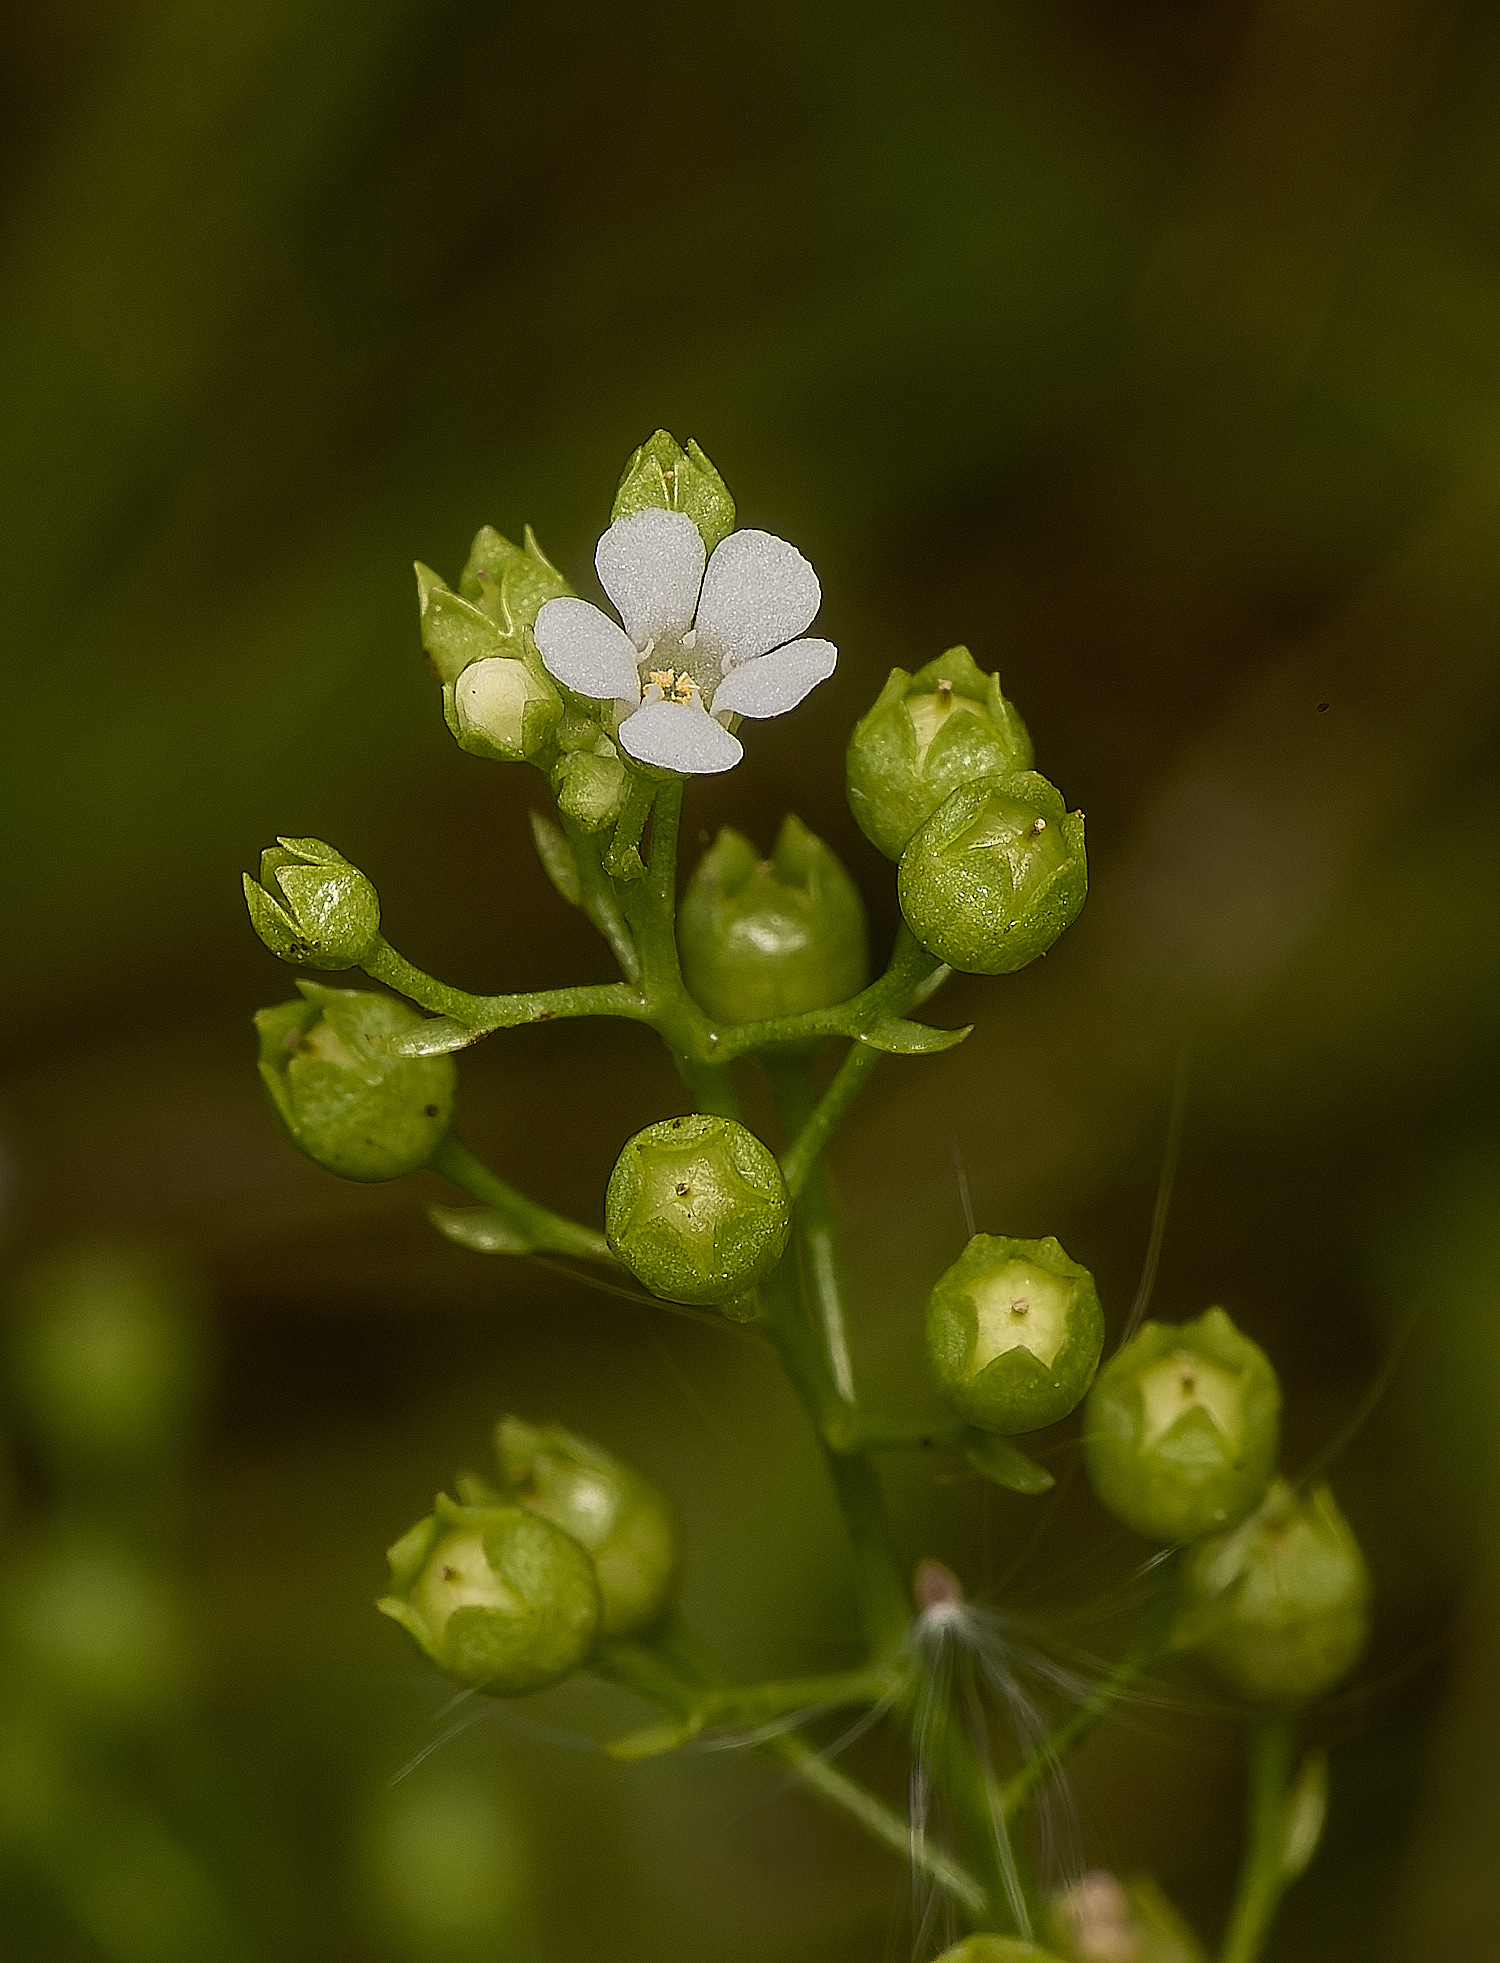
{"type": "Point", "coordinates": [992, 865]}
{"type": "Point", "coordinates": [509, 1591]}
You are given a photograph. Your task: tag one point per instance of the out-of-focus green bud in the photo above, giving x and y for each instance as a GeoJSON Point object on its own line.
{"type": "Point", "coordinates": [311, 906]}
{"type": "Point", "coordinates": [1102, 1919]}
{"type": "Point", "coordinates": [1014, 1330]}
{"type": "Point", "coordinates": [498, 1598]}
{"type": "Point", "coordinates": [447, 1867]}
{"type": "Point", "coordinates": [697, 1209]}
{"type": "Point", "coordinates": [344, 1099]}
{"type": "Point", "coordinates": [625, 1523]}
{"type": "Point", "coordinates": [95, 1628]}
{"type": "Point", "coordinates": [662, 476]}
{"type": "Point", "coordinates": [995, 875]}
{"type": "Point", "coordinates": [107, 1354]}
{"type": "Point", "coordinates": [927, 734]}
{"type": "Point", "coordinates": [1182, 1428]}
{"type": "Point", "coordinates": [1279, 1608]}
{"type": "Point", "coordinates": [591, 785]}
{"type": "Point", "coordinates": [772, 937]}
{"type": "Point", "coordinates": [498, 700]}
{"type": "Point", "coordinates": [997, 1949]}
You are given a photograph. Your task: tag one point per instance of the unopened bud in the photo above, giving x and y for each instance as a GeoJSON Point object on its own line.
{"type": "Point", "coordinates": [498, 1598]}
{"type": "Point", "coordinates": [697, 1209]}
{"type": "Point", "coordinates": [498, 700]}
{"type": "Point", "coordinates": [1182, 1428]}
{"type": "Point", "coordinates": [1014, 1330]}
{"type": "Point", "coordinates": [1279, 1608]}
{"type": "Point", "coordinates": [772, 937]}
{"type": "Point", "coordinates": [311, 907]}
{"type": "Point", "coordinates": [616, 1515]}
{"type": "Point", "coordinates": [591, 785]}
{"type": "Point", "coordinates": [928, 734]}
{"type": "Point", "coordinates": [344, 1099]}
{"type": "Point", "coordinates": [995, 875]}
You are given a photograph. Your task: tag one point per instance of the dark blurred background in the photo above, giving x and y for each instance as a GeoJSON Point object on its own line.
{"type": "Point", "coordinates": [1152, 348]}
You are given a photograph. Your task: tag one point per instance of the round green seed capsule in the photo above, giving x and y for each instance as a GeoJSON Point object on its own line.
{"type": "Point", "coordinates": [1182, 1428]}
{"type": "Point", "coordinates": [1014, 1330]}
{"type": "Point", "coordinates": [498, 1598]}
{"type": "Point", "coordinates": [995, 875]}
{"type": "Point", "coordinates": [344, 1099]}
{"type": "Point", "coordinates": [927, 734]}
{"type": "Point", "coordinates": [772, 937]}
{"type": "Point", "coordinates": [626, 1525]}
{"type": "Point", "coordinates": [697, 1209]}
{"type": "Point", "coordinates": [1279, 1608]}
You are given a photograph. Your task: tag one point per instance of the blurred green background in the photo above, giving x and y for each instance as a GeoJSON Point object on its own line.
{"type": "Point", "coordinates": [1151, 347]}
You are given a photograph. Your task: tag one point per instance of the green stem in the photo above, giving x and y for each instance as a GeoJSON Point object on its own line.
{"type": "Point", "coordinates": [547, 1232]}
{"type": "Point", "coordinates": [600, 903]}
{"type": "Point", "coordinates": [1264, 1874]}
{"type": "Point", "coordinates": [664, 1677]}
{"type": "Point", "coordinates": [792, 1079]}
{"type": "Point", "coordinates": [469, 1017]}
{"type": "Point", "coordinates": [910, 976]}
{"type": "Point", "coordinates": [824, 1118]}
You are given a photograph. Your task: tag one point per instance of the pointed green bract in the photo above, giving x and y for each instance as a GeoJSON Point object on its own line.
{"type": "Point", "coordinates": [625, 1524]}
{"type": "Point", "coordinates": [344, 1099]}
{"type": "Point", "coordinates": [662, 476]}
{"type": "Point", "coordinates": [1182, 1428]}
{"type": "Point", "coordinates": [928, 735]}
{"type": "Point", "coordinates": [499, 1599]}
{"type": "Point", "coordinates": [772, 937]}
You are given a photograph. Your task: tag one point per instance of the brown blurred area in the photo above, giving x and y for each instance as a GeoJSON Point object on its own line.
{"type": "Point", "coordinates": [1151, 349]}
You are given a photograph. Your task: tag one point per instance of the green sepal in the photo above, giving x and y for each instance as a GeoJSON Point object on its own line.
{"type": "Point", "coordinates": [895, 1036]}
{"type": "Point", "coordinates": [995, 875]}
{"type": "Point", "coordinates": [480, 1229]}
{"type": "Point", "coordinates": [344, 1098]}
{"type": "Point", "coordinates": [510, 583]}
{"type": "Point", "coordinates": [625, 1523]}
{"type": "Point", "coordinates": [312, 907]}
{"type": "Point", "coordinates": [559, 861]}
{"type": "Point", "coordinates": [592, 786]}
{"type": "Point", "coordinates": [1008, 1467]}
{"type": "Point", "coordinates": [662, 476]}
{"type": "Point", "coordinates": [762, 938]}
{"type": "Point", "coordinates": [500, 1599]}
{"type": "Point", "coordinates": [1183, 1427]}
{"type": "Point", "coordinates": [1013, 1333]}
{"type": "Point", "coordinates": [1278, 1607]}
{"type": "Point", "coordinates": [455, 632]}
{"type": "Point", "coordinates": [927, 734]}
{"type": "Point", "coordinates": [697, 1209]}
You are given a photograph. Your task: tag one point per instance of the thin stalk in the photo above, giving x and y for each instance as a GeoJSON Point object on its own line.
{"type": "Point", "coordinates": [478, 1015]}
{"type": "Point", "coordinates": [791, 1078]}
{"type": "Point", "coordinates": [823, 1120]}
{"type": "Point", "coordinates": [600, 903]}
{"type": "Point", "coordinates": [1264, 1875]}
{"type": "Point", "coordinates": [547, 1232]}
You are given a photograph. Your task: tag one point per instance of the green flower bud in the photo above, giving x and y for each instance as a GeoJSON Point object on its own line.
{"type": "Point", "coordinates": [625, 1523]}
{"type": "Point", "coordinates": [1014, 1330]}
{"type": "Point", "coordinates": [927, 734]}
{"type": "Point", "coordinates": [106, 1355]}
{"type": "Point", "coordinates": [665, 477]}
{"type": "Point", "coordinates": [498, 1598]}
{"type": "Point", "coordinates": [498, 700]}
{"type": "Point", "coordinates": [997, 1949]}
{"type": "Point", "coordinates": [1182, 1428]}
{"type": "Point", "coordinates": [697, 1209]}
{"type": "Point", "coordinates": [772, 937]}
{"type": "Point", "coordinates": [344, 1099]}
{"type": "Point", "coordinates": [96, 1628]}
{"type": "Point", "coordinates": [591, 785]}
{"type": "Point", "coordinates": [993, 878]}
{"type": "Point", "coordinates": [1279, 1608]}
{"type": "Point", "coordinates": [311, 906]}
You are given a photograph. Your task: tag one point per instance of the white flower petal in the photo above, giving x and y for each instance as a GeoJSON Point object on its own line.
{"type": "Point", "coordinates": [651, 565]}
{"type": "Point", "coordinates": [758, 592]}
{"type": "Point", "coordinates": [680, 736]}
{"type": "Point", "coordinates": [775, 682]}
{"type": "Point", "coordinates": [585, 650]}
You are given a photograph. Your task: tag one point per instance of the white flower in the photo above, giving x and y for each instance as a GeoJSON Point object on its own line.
{"type": "Point", "coordinates": [697, 645]}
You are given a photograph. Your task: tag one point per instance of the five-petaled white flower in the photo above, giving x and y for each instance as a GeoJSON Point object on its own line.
{"type": "Point", "coordinates": [698, 645]}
